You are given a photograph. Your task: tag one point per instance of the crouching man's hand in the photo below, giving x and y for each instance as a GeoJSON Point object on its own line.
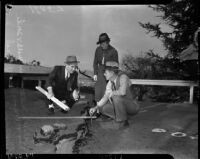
{"type": "Point", "coordinates": [76, 94]}
{"type": "Point", "coordinates": [93, 110]}
{"type": "Point", "coordinates": [95, 78]}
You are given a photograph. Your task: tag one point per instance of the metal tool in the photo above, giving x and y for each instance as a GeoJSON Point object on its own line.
{"type": "Point", "coordinates": [57, 117]}
{"type": "Point", "coordinates": [83, 73]}
{"type": "Point", "coordinates": [91, 121]}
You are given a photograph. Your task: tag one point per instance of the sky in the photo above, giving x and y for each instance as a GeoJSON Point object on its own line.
{"type": "Point", "coordinates": [51, 33]}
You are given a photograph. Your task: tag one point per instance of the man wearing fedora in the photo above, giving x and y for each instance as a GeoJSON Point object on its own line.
{"type": "Point", "coordinates": [117, 102]}
{"type": "Point", "coordinates": [63, 83]}
{"type": "Point", "coordinates": [104, 52]}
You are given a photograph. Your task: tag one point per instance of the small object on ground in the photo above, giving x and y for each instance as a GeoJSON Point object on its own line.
{"type": "Point", "coordinates": [40, 138]}
{"type": "Point", "coordinates": [178, 134]}
{"type": "Point", "coordinates": [158, 130]}
{"type": "Point", "coordinates": [60, 126]}
{"type": "Point", "coordinates": [46, 130]}
{"type": "Point", "coordinates": [194, 136]}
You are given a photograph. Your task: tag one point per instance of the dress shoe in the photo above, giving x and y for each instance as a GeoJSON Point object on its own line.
{"type": "Point", "coordinates": [64, 111]}
{"type": "Point", "coordinates": [123, 125]}
{"type": "Point", "coordinates": [51, 110]}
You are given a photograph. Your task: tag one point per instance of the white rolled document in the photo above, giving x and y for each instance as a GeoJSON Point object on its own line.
{"type": "Point", "coordinates": [59, 103]}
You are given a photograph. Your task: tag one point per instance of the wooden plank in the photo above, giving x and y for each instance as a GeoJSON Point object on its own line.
{"type": "Point", "coordinates": [59, 103]}
{"type": "Point", "coordinates": [163, 82]}
{"type": "Point", "coordinates": [182, 83]}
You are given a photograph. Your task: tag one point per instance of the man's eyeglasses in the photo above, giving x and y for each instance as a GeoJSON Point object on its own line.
{"type": "Point", "coordinates": [74, 67]}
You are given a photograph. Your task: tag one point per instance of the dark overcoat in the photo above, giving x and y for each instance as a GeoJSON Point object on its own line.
{"type": "Point", "coordinates": [109, 54]}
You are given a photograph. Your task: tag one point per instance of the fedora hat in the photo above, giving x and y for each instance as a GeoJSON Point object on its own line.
{"type": "Point", "coordinates": [103, 37]}
{"type": "Point", "coordinates": [112, 65]}
{"type": "Point", "coordinates": [71, 59]}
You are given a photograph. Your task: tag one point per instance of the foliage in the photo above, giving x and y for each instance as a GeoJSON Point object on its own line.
{"type": "Point", "coordinates": [12, 59]}
{"type": "Point", "coordinates": [152, 66]}
{"type": "Point", "coordinates": [35, 63]}
{"type": "Point", "coordinates": [183, 18]}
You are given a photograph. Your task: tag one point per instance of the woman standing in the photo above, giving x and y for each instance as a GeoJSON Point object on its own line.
{"type": "Point", "coordinates": [104, 52]}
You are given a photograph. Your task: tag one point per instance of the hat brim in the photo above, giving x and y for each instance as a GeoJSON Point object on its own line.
{"type": "Point", "coordinates": [99, 42]}
{"type": "Point", "coordinates": [71, 62]}
{"type": "Point", "coordinates": [111, 68]}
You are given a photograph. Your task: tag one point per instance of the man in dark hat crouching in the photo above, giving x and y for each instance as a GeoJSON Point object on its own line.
{"type": "Point", "coordinates": [63, 83]}
{"type": "Point", "coordinates": [117, 102]}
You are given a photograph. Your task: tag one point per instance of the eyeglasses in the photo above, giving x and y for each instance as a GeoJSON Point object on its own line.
{"type": "Point", "coordinates": [73, 66]}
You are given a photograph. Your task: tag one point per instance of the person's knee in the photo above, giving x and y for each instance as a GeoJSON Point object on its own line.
{"type": "Point", "coordinates": [105, 108]}
{"type": "Point", "coordinates": [117, 99]}
{"type": "Point", "coordinates": [134, 109]}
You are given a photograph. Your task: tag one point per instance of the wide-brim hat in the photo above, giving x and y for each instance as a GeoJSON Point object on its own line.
{"type": "Point", "coordinates": [112, 65]}
{"type": "Point", "coordinates": [103, 37]}
{"type": "Point", "coordinates": [71, 59]}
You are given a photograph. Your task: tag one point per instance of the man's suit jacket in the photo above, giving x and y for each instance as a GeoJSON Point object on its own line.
{"type": "Point", "coordinates": [60, 85]}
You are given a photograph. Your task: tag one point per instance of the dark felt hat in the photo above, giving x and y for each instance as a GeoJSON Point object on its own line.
{"type": "Point", "coordinates": [103, 37]}
{"type": "Point", "coordinates": [71, 59]}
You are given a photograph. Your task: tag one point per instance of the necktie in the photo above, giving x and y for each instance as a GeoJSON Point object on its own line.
{"type": "Point", "coordinates": [113, 86]}
{"type": "Point", "coordinates": [113, 89]}
{"type": "Point", "coordinates": [103, 59]}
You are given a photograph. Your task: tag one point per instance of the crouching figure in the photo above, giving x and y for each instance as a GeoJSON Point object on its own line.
{"type": "Point", "coordinates": [117, 102]}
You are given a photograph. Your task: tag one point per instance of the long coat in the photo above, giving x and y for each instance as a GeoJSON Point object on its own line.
{"type": "Point", "coordinates": [109, 54]}
{"type": "Point", "coordinates": [62, 87]}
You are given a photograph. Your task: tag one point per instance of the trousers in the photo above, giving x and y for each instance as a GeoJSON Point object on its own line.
{"type": "Point", "coordinates": [120, 108]}
{"type": "Point", "coordinates": [100, 85]}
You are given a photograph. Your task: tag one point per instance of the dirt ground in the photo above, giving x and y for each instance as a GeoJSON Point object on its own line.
{"type": "Point", "coordinates": [102, 137]}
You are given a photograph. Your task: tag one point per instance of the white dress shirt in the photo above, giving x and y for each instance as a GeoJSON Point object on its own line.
{"type": "Point", "coordinates": [67, 74]}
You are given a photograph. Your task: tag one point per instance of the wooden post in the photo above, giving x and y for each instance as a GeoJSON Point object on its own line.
{"type": "Point", "coordinates": [22, 83]}
{"type": "Point", "coordinates": [10, 81]}
{"type": "Point", "coordinates": [191, 94]}
{"type": "Point", "coordinates": [40, 83]}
